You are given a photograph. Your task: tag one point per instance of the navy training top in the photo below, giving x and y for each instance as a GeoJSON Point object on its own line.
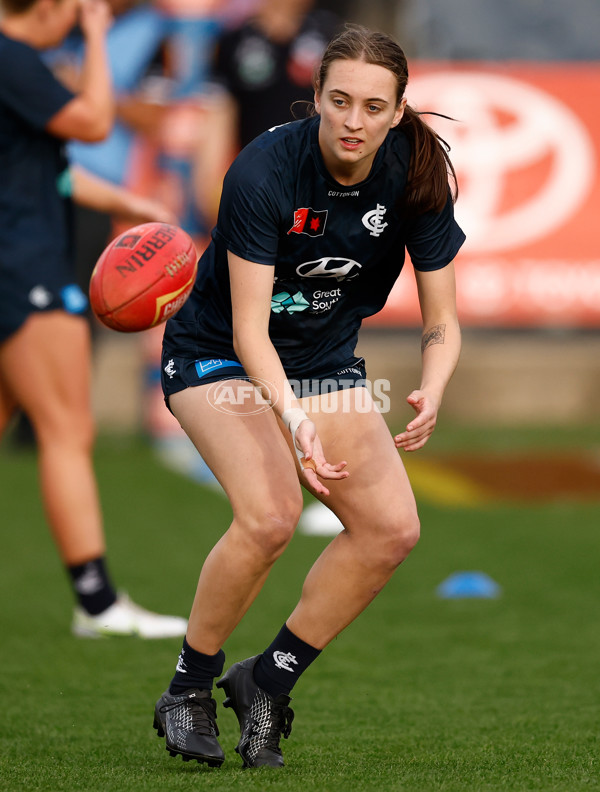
{"type": "Point", "coordinates": [336, 250]}
{"type": "Point", "coordinates": [35, 208]}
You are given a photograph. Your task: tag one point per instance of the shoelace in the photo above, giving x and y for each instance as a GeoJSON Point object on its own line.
{"type": "Point", "coordinates": [203, 713]}
{"type": "Point", "coordinates": [281, 726]}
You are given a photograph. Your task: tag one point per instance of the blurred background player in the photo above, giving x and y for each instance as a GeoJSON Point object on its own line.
{"type": "Point", "coordinates": [267, 64]}
{"type": "Point", "coordinates": [264, 68]}
{"type": "Point", "coordinates": [44, 338]}
{"type": "Point", "coordinates": [134, 44]}
{"type": "Point", "coordinates": [157, 55]}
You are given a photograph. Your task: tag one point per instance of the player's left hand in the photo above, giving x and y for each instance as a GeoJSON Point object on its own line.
{"type": "Point", "coordinates": [420, 429]}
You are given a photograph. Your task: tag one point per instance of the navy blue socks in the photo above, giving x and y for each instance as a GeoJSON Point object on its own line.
{"type": "Point", "coordinates": [280, 665]}
{"type": "Point", "coordinates": [276, 671]}
{"type": "Point", "coordinates": [92, 585]}
{"type": "Point", "coordinates": [196, 670]}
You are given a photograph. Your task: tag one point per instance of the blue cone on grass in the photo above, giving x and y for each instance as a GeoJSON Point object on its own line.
{"type": "Point", "coordinates": [469, 585]}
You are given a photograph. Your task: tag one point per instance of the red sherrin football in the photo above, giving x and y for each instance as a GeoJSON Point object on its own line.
{"type": "Point", "coordinates": [143, 277]}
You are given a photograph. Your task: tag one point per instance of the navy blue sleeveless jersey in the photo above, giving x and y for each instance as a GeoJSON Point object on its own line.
{"type": "Point", "coordinates": [36, 269]}
{"type": "Point", "coordinates": [336, 250]}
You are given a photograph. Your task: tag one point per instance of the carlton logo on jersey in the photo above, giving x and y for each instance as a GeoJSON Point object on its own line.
{"type": "Point", "coordinates": [329, 267]}
{"type": "Point", "coordinates": [373, 220]}
{"type": "Point", "coordinates": [309, 221]}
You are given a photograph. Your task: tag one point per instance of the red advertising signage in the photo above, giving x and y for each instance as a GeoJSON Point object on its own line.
{"type": "Point", "coordinates": [525, 143]}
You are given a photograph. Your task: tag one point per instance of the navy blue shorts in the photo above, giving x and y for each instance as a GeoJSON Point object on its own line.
{"type": "Point", "coordinates": [178, 373]}
{"type": "Point", "coordinates": [17, 304]}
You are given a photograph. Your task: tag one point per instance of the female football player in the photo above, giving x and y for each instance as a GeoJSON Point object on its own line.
{"type": "Point", "coordinates": [314, 221]}
{"type": "Point", "coordinates": [44, 337]}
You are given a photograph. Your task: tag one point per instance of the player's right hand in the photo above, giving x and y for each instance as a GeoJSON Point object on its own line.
{"type": "Point", "coordinates": [312, 459]}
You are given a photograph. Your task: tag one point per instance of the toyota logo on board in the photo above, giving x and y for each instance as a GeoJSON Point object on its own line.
{"type": "Point", "coordinates": [524, 160]}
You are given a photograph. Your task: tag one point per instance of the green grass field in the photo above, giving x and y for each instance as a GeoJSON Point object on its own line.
{"type": "Point", "coordinates": [419, 693]}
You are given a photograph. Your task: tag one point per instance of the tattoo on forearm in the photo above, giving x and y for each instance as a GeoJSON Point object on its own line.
{"type": "Point", "coordinates": [435, 335]}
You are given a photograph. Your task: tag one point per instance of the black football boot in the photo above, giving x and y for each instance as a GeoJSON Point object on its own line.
{"type": "Point", "coordinates": [189, 722]}
{"type": "Point", "coordinates": [263, 719]}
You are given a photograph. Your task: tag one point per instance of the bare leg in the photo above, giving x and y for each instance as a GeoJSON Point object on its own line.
{"type": "Point", "coordinates": [249, 456]}
{"type": "Point", "coordinates": [377, 508]}
{"type": "Point", "coordinates": [45, 367]}
{"type": "Point", "coordinates": [7, 404]}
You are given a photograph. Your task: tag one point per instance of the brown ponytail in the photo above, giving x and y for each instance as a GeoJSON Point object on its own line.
{"type": "Point", "coordinates": [430, 166]}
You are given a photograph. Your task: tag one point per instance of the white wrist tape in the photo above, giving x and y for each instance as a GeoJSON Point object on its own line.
{"type": "Point", "coordinates": [292, 418]}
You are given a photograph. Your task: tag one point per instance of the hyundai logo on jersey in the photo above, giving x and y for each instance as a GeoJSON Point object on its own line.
{"type": "Point", "coordinates": [329, 267]}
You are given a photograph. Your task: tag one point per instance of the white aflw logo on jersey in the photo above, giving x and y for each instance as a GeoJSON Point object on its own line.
{"type": "Point", "coordinates": [373, 220]}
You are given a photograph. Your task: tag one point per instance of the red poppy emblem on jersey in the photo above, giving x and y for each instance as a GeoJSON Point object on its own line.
{"type": "Point", "coordinates": [309, 221]}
